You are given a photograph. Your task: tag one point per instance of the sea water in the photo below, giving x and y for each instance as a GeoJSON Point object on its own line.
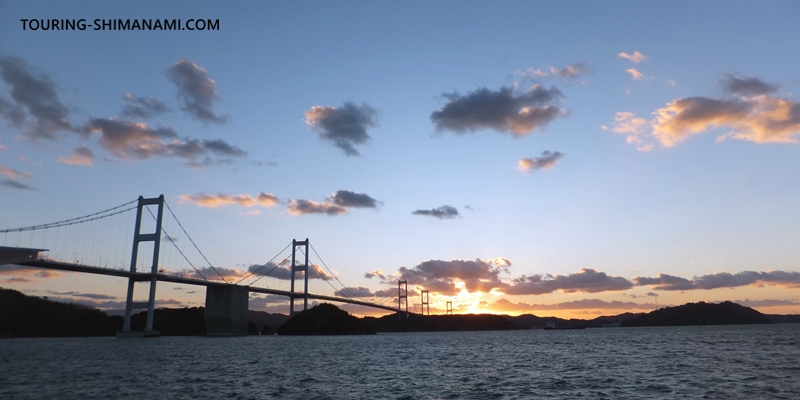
{"type": "Point", "coordinates": [715, 362]}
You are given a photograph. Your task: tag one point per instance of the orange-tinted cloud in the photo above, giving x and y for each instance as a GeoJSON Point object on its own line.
{"type": "Point", "coordinates": [344, 127]}
{"type": "Point", "coordinates": [213, 201]}
{"type": "Point", "coordinates": [80, 156]}
{"type": "Point", "coordinates": [588, 280]}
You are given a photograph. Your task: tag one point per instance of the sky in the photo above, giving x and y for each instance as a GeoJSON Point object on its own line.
{"type": "Point", "coordinates": [573, 159]}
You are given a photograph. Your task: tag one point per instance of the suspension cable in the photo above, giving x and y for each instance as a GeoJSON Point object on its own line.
{"type": "Point", "coordinates": [264, 265]}
{"type": "Point", "coordinates": [190, 239]}
{"type": "Point", "coordinates": [332, 274]}
{"type": "Point", "coordinates": [177, 248]}
{"type": "Point", "coordinates": [73, 221]}
{"type": "Point", "coordinates": [268, 272]}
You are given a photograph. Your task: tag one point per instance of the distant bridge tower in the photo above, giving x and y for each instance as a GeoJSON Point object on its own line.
{"type": "Point", "coordinates": [138, 237]}
{"type": "Point", "coordinates": [402, 294]}
{"type": "Point", "coordinates": [449, 308]}
{"type": "Point", "coordinates": [426, 302]}
{"type": "Point", "coordinates": [298, 268]}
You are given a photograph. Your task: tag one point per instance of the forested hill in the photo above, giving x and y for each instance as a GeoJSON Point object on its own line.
{"type": "Point", "coordinates": [725, 313]}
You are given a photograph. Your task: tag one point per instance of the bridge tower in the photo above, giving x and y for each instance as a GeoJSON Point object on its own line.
{"type": "Point", "coordinates": [449, 308]}
{"type": "Point", "coordinates": [138, 237]}
{"type": "Point", "coordinates": [426, 302]}
{"type": "Point", "coordinates": [402, 294]}
{"type": "Point", "coordinates": [298, 268]}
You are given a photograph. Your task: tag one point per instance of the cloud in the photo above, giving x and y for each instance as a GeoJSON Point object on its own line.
{"type": "Point", "coordinates": [197, 91]}
{"type": "Point", "coordinates": [127, 140]}
{"type": "Point", "coordinates": [635, 57]}
{"type": "Point", "coordinates": [345, 127]}
{"type": "Point", "coordinates": [635, 74]}
{"type": "Point", "coordinates": [376, 273]}
{"type": "Point", "coordinates": [283, 271]}
{"type": "Point", "coordinates": [760, 119]}
{"type": "Point", "coordinates": [588, 280]}
{"type": "Point", "coordinates": [358, 291]}
{"type": "Point", "coordinates": [440, 276]}
{"type": "Point", "coordinates": [213, 201]}
{"type": "Point", "coordinates": [337, 204]}
{"type": "Point", "coordinates": [443, 212]}
{"type": "Point", "coordinates": [12, 179]}
{"type": "Point", "coordinates": [36, 94]}
{"type": "Point", "coordinates": [304, 207]}
{"type": "Point", "coordinates": [346, 198]}
{"type": "Point", "coordinates": [505, 110]}
{"type": "Point", "coordinates": [572, 71]}
{"type": "Point", "coordinates": [721, 280]}
{"type": "Point", "coordinates": [142, 107]}
{"type": "Point", "coordinates": [746, 86]}
{"type": "Point", "coordinates": [80, 156]}
{"type": "Point", "coordinates": [636, 128]}
{"type": "Point", "coordinates": [767, 303]}
{"type": "Point", "coordinates": [208, 273]}
{"type": "Point", "coordinates": [23, 271]}
{"type": "Point", "coordinates": [546, 160]}
{"type": "Point", "coordinates": [94, 296]}
{"type": "Point", "coordinates": [504, 305]}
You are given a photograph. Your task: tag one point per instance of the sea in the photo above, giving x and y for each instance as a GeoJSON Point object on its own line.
{"type": "Point", "coordinates": [708, 362]}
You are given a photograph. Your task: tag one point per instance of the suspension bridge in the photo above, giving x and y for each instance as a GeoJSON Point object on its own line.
{"type": "Point", "coordinates": [156, 256]}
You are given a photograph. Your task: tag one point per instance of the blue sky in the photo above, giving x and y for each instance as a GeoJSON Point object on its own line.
{"type": "Point", "coordinates": [626, 139]}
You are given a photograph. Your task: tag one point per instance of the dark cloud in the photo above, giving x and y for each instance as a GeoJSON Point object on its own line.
{"type": "Point", "coordinates": [337, 204]}
{"type": "Point", "coordinates": [503, 110]}
{"type": "Point", "coordinates": [767, 303]}
{"type": "Point", "coordinates": [304, 207]}
{"type": "Point", "coordinates": [126, 140]}
{"type": "Point", "coordinates": [665, 282]}
{"type": "Point", "coordinates": [376, 273]}
{"type": "Point", "coordinates": [346, 198]}
{"type": "Point", "coordinates": [345, 127]}
{"type": "Point", "coordinates": [9, 111]}
{"type": "Point", "coordinates": [283, 271]}
{"type": "Point", "coordinates": [440, 276]}
{"type": "Point", "coordinates": [746, 86]}
{"type": "Point", "coordinates": [588, 280]}
{"type": "Point", "coordinates": [546, 160]}
{"type": "Point", "coordinates": [11, 184]}
{"type": "Point", "coordinates": [197, 91]}
{"type": "Point", "coordinates": [721, 280]}
{"type": "Point", "coordinates": [142, 107]}
{"type": "Point", "coordinates": [443, 212]}
{"type": "Point", "coordinates": [36, 94]}
{"type": "Point", "coordinates": [94, 296]}
{"type": "Point", "coordinates": [504, 305]}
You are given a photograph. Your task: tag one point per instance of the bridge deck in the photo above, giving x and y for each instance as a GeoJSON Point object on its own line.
{"type": "Point", "coordinates": [138, 276]}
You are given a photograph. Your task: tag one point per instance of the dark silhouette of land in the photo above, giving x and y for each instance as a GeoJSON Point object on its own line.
{"type": "Point", "coordinates": [325, 319]}
{"type": "Point", "coordinates": [702, 313]}
{"type": "Point", "coordinates": [30, 316]}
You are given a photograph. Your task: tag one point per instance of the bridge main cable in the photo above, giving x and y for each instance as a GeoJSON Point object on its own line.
{"type": "Point", "coordinates": [73, 221]}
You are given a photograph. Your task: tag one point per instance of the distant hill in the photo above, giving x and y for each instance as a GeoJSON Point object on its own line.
{"type": "Point", "coordinates": [530, 321]}
{"type": "Point", "coordinates": [325, 319]}
{"type": "Point", "coordinates": [725, 313]}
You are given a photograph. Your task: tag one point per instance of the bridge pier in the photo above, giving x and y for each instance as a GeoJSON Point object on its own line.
{"type": "Point", "coordinates": [226, 310]}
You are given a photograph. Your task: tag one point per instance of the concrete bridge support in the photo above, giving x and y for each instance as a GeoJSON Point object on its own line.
{"type": "Point", "coordinates": [226, 310]}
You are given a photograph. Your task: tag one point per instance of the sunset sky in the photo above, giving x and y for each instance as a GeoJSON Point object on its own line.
{"type": "Point", "coordinates": [557, 158]}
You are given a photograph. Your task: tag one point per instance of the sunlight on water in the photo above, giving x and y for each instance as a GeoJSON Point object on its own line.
{"type": "Point", "coordinates": [675, 362]}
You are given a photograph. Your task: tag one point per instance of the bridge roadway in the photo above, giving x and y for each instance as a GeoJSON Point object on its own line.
{"type": "Point", "coordinates": [47, 264]}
